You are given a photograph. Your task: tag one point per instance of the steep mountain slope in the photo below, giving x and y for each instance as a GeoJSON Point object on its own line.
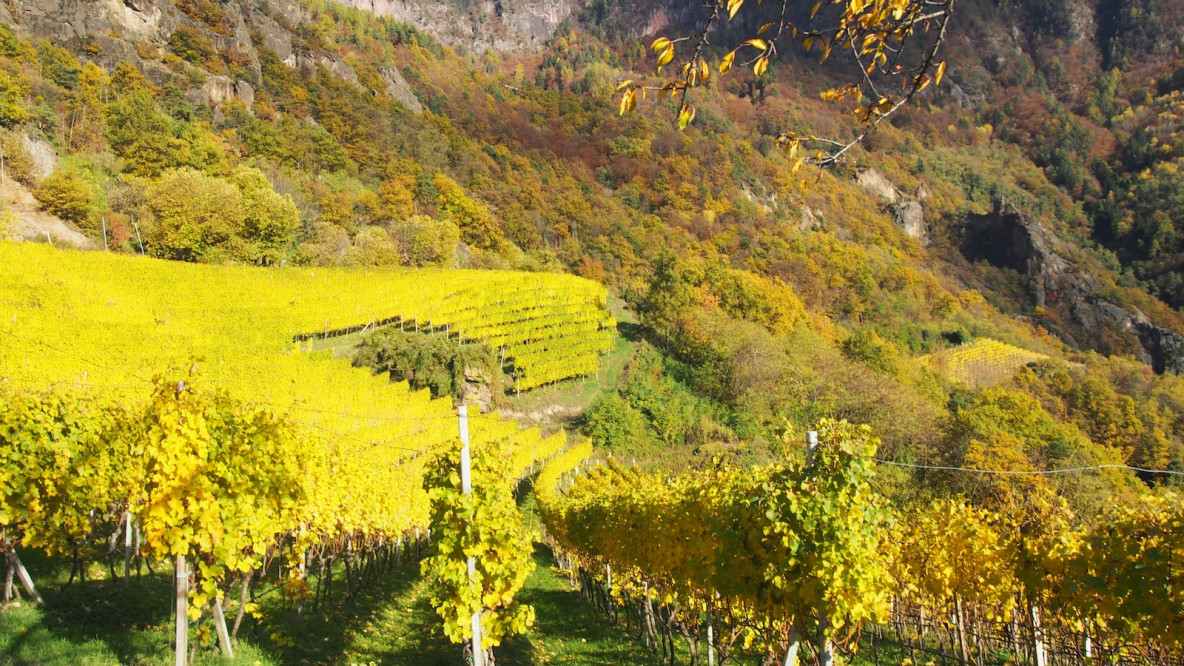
{"type": "Point", "coordinates": [310, 133]}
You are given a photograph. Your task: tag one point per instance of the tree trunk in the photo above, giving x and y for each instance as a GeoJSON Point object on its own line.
{"type": "Point", "coordinates": [242, 607]}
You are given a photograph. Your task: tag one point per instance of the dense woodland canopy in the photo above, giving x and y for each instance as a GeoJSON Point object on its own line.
{"type": "Point", "coordinates": [767, 301]}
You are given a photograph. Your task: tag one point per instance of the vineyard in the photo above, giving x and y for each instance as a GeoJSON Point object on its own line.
{"type": "Point", "coordinates": [247, 325]}
{"type": "Point", "coordinates": [163, 410]}
{"type": "Point", "coordinates": [769, 562]}
{"type": "Point", "coordinates": [981, 363]}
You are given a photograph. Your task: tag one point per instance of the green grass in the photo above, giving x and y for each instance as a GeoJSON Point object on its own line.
{"type": "Point", "coordinates": [110, 622]}
{"type": "Point", "coordinates": [99, 622]}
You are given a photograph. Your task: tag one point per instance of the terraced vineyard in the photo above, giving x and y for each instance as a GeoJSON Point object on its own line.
{"type": "Point", "coordinates": [245, 324]}
{"type": "Point", "coordinates": [104, 325]}
{"type": "Point", "coordinates": [981, 363]}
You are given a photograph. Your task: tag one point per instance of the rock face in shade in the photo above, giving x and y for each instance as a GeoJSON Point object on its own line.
{"type": "Point", "coordinates": [1006, 238]}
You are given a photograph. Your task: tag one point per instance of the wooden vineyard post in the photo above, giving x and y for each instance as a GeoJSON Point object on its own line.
{"type": "Point", "coordinates": [103, 221]}
{"type": "Point", "coordinates": [182, 612]}
{"type": "Point", "coordinates": [466, 484]}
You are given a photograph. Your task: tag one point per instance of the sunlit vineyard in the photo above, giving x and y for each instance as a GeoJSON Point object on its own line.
{"type": "Point", "coordinates": [242, 324]}
{"type": "Point", "coordinates": [181, 393]}
{"type": "Point", "coordinates": [981, 363]}
{"type": "Point", "coordinates": [759, 561]}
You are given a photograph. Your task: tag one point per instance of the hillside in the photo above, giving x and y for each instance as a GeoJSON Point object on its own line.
{"type": "Point", "coordinates": [989, 281]}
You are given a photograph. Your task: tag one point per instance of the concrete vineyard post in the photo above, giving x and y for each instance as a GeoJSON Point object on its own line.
{"type": "Point", "coordinates": [795, 642]}
{"type": "Point", "coordinates": [220, 626]}
{"type": "Point", "coordinates": [182, 636]}
{"type": "Point", "coordinates": [466, 484]}
{"type": "Point", "coordinates": [27, 580]}
{"type": "Point", "coordinates": [127, 546]}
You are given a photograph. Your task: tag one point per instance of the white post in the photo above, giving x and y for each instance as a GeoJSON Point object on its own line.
{"type": "Point", "coordinates": [826, 656]}
{"type": "Point", "coordinates": [27, 580]}
{"type": "Point", "coordinates": [103, 220]}
{"type": "Point", "coordinates": [811, 446]}
{"type": "Point", "coordinates": [466, 486]}
{"type": "Point", "coordinates": [127, 546]}
{"type": "Point", "coordinates": [795, 642]}
{"type": "Point", "coordinates": [141, 240]}
{"type": "Point", "coordinates": [220, 625]}
{"type": "Point", "coordinates": [1038, 637]}
{"type": "Point", "coordinates": [710, 641]}
{"type": "Point", "coordinates": [182, 612]}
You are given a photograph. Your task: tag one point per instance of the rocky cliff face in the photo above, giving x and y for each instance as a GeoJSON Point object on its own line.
{"type": "Point", "coordinates": [1006, 238]}
{"type": "Point", "coordinates": [109, 32]}
{"type": "Point", "coordinates": [501, 25]}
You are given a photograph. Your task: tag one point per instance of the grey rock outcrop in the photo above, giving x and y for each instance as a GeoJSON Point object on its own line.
{"type": "Point", "coordinates": [500, 25]}
{"type": "Point", "coordinates": [907, 212]}
{"type": "Point", "coordinates": [910, 217]}
{"type": "Point", "coordinates": [43, 158]}
{"type": "Point", "coordinates": [1006, 238]}
{"type": "Point", "coordinates": [399, 90]}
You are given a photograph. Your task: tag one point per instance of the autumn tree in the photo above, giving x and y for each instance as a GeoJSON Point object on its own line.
{"type": "Point", "coordinates": [270, 220]}
{"type": "Point", "coordinates": [424, 241]}
{"type": "Point", "coordinates": [478, 227]}
{"type": "Point", "coordinates": [194, 217]}
{"type": "Point", "coordinates": [894, 43]}
{"type": "Point", "coordinates": [68, 194]}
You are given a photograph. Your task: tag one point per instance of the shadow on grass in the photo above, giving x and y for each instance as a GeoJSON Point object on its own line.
{"type": "Point", "coordinates": [631, 332]}
{"type": "Point", "coordinates": [113, 622]}
{"type": "Point", "coordinates": [568, 628]}
{"type": "Point", "coordinates": [391, 622]}
{"type": "Point", "coordinates": [96, 622]}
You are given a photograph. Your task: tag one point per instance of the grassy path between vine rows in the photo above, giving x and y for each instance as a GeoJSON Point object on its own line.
{"type": "Point", "coordinates": [109, 622]}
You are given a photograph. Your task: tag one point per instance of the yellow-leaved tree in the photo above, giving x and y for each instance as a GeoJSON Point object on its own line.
{"type": "Point", "coordinates": [894, 45]}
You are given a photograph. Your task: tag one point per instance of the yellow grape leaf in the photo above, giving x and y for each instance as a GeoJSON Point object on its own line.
{"type": "Point", "coordinates": [733, 7]}
{"type": "Point", "coordinates": [659, 44]}
{"type": "Point", "coordinates": [624, 84]}
{"type": "Point", "coordinates": [685, 115]}
{"type": "Point", "coordinates": [628, 101]}
{"type": "Point", "coordinates": [762, 63]}
{"type": "Point", "coordinates": [726, 63]}
{"type": "Point", "coordinates": [667, 56]}
{"type": "Point", "coordinates": [758, 43]}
